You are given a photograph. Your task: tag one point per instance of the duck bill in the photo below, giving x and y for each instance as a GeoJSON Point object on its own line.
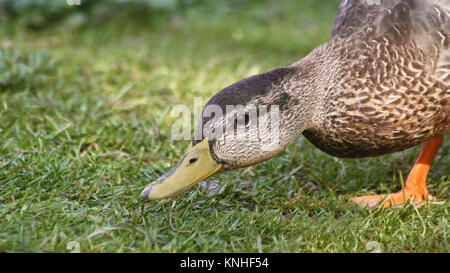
{"type": "Point", "coordinates": [195, 166]}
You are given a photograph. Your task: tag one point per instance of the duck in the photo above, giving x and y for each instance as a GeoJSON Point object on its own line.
{"type": "Point", "coordinates": [380, 85]}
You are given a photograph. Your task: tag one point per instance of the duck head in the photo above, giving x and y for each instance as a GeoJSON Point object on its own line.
{"type": "Point", "coordinates": [244, 124]}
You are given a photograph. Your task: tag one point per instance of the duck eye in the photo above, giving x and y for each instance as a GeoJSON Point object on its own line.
{"type": "Point", "coordinates": [247, 119]}
{"type": "Point", "coordinates": [239, 119]}
{"type": "Point", "coordinates": [192, 160]}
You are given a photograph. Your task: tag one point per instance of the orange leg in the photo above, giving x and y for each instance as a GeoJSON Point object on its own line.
{"type": "Point", "coordinates": [415, 187]}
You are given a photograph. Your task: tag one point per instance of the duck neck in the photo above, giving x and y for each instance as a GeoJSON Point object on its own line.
{"type": "Point", "coordinates": [301, 96]}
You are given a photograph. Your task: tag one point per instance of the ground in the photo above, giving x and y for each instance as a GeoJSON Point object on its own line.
{"type": "Point", "coordinates": [85, 126]}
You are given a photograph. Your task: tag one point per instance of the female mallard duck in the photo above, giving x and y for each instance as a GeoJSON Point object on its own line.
{"type": "Point", "coordinates": [380, 85]}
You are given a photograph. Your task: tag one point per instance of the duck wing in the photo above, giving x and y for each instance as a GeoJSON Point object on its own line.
{"type": "Point", "coordinates": [425, 23]}
{"type": "Point", "coordinates": [410, 17]}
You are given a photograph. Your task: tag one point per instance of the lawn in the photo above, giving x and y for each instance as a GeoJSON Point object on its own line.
{"type": "Point", "coordinates": [85, 125]}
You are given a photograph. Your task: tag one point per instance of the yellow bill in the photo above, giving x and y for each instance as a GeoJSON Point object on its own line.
{"type": "Point", "coordinates": [196, 165]}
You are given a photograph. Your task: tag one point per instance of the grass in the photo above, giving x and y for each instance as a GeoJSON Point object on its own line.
{"type": "Point", "coordinates": [83, 132]}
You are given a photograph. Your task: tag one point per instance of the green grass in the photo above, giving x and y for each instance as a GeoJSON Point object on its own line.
{"type": "Point", "coordinates": [83, 133]}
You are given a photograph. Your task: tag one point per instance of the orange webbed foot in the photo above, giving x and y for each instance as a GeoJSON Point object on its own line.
{"type": "Point", "coordinates": [415, 189]}
{"type": "Point", "coordinates": [394, 199]}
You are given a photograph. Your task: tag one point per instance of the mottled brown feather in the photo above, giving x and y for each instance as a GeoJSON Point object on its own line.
{"type": "Point", "coordinates": [392, 90]}
{"type": "Point", "coordinates": [380, 85]}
